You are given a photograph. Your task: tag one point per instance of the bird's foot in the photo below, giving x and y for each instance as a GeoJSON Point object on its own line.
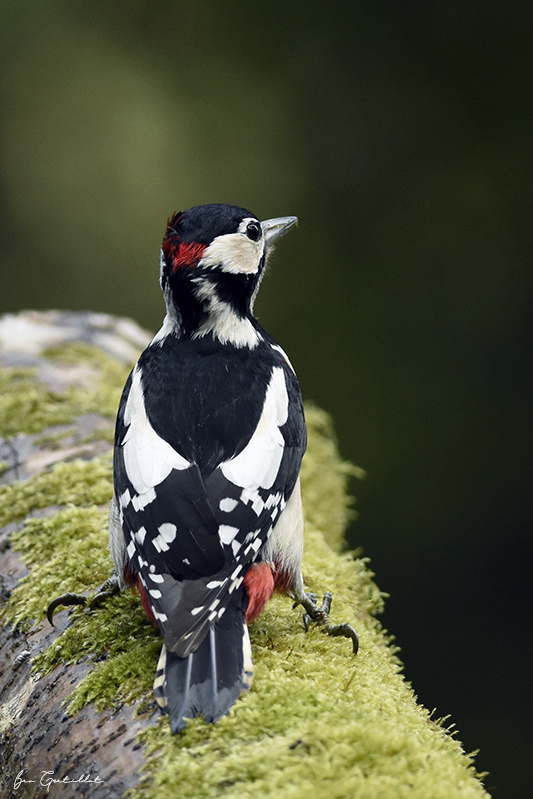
{"type": "Point", "coordinates": [320, 616]}
{"type": "Point", "coordinates": [107, 589]}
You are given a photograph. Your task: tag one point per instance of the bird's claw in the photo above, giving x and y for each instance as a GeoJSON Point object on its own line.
{"type": "Point", "coordinates": [345, 630]}
{"type": "Point", "coordinates": [64, 599]}
{"type": "Point", "coordinates": [109, 588]}
{"type": "Point", "coordinates": [320, 616]}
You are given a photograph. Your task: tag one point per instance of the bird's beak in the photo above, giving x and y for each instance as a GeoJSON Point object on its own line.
{"type": "Point", "coordinates": [275, 228]}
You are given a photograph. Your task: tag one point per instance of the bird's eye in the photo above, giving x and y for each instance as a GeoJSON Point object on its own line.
{"type": "Point", "coordinates": [253, 230]}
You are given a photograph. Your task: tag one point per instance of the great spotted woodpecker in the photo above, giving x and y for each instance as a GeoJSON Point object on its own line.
{"type": "Point", "coordinates": [207, 519]}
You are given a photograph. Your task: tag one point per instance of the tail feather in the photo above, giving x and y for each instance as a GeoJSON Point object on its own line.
{"type": "Point", "coordinates": [209, 681]}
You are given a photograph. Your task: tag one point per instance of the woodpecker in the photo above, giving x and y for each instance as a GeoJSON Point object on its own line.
{"type": "Point", "coordinates": [209, 441]}
{"type": "Point", "coordinates": [206, 520]}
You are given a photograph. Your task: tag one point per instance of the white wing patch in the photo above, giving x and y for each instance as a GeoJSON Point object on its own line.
{"type": "Point", "coordinates": [167, 534]}
{"type": "Point", "coordinates": [227, 533]}
{"type": "Point", "coordinates": [258, 464]}
{"type": "Point", "coordinates": [148, 459]}
{"type": "Point", "coordinates": [228, 504]}
{"type": "Point", "coordinates": [140, 535]}
{"type": "Point", "coordinates": [140, 501]}
{"type": "Point", "coordinates": [282, 352]}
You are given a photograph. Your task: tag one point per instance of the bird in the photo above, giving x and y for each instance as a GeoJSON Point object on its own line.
{"type": "Point", "coordinates": [206, 521]}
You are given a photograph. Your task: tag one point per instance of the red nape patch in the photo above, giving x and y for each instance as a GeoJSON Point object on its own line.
{"type": "Point", "coordinates": [134, 582]}
{"type": "Point", "coordinates": [181, 253]}
{"type": "Point", "coordinates": [259, 584]}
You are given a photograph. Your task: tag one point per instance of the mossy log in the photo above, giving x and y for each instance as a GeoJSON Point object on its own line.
{"type": "Point", "coordinates": [76, 701]}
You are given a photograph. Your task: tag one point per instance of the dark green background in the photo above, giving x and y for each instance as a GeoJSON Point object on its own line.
{"type": "Point", "coordinates": [400, 133]}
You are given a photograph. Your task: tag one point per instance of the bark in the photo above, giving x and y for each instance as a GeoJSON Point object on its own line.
{"type": "Point", "coordinates": [38, 740]}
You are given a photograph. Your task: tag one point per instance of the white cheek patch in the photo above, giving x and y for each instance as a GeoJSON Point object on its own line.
{"type": "Point", "coordinates": [234, 252]}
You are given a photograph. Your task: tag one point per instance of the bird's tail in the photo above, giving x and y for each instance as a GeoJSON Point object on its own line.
{"type": "Point", "coordinates": [210, 680]}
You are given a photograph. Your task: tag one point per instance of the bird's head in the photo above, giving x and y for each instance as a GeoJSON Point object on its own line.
{"type": "Point", "coordinates": [212, 261]}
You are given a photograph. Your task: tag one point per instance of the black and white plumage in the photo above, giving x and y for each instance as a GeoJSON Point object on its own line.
{"type": "Point", "coordinates": [210, 435]}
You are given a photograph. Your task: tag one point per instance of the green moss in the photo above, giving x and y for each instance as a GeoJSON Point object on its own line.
{"type": "Point", "coordinates": [317, 722]}
{"type": "Point", "coordinates": [67, 553]}
{"type": "Point", "coordinates": [119, 636]}
{"type": "Point", "coordinates": [53, 440]}
{"type": "Point", "coordinates": [27, 406]}
{"type": "Point", "coordinates": [79, 482]}
{"type": "Point", "coordinates": [101, 434]}
{"type": "Point", "coordinates": [78, 352]}
{"type": "Point", "coordinates": [75, 353]}
{"type": "Point", "coordinates": [325, 479]}
{"type": "Point", "coordinates": [103, 394]}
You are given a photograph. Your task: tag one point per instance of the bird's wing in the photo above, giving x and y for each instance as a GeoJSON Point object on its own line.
{"type": "Point", "coordinates": [189, 537]}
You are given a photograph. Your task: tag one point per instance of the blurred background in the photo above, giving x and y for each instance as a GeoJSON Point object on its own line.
{"type": "Point", "coordinates": [401, 135]}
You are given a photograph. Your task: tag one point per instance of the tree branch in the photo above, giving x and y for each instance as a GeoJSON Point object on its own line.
{"type": "Point", "coordinates": [76, 701]}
